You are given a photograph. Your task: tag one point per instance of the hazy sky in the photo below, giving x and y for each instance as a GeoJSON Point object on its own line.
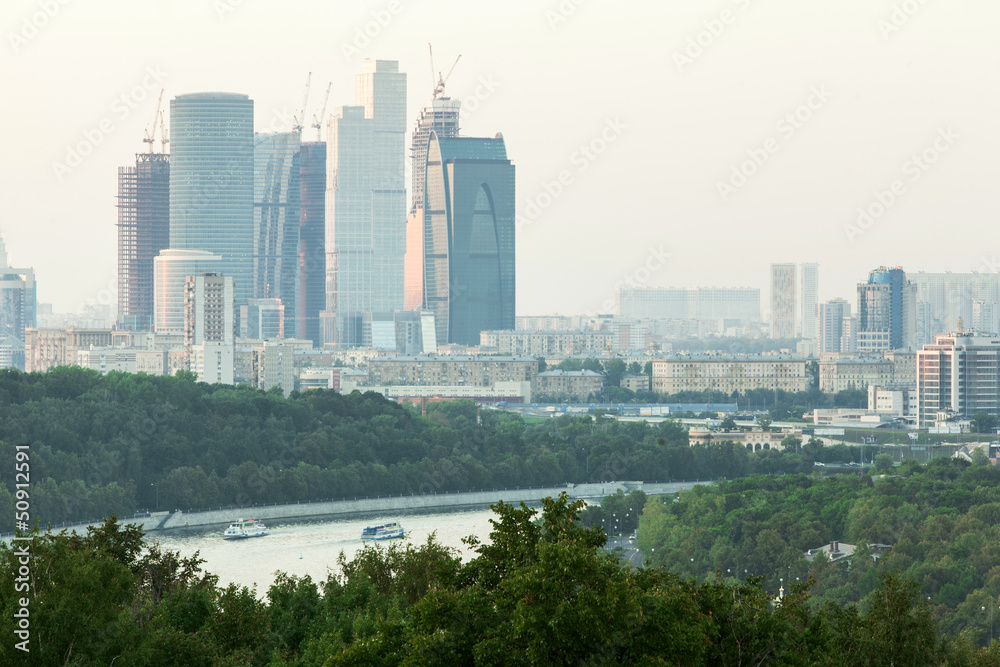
{"type": "Point", "coordinates": [727, 134]}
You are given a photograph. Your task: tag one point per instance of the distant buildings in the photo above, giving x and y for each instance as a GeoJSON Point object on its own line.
{"type": "Point", "coordinates": [469, 237]}
{"type": "Point", "coordinates": [212, 182]}
{"type": "Point", "coordinates": [45, 349]}
{"type": "Point", "coordinates": [262, 318]}
{"type": "Point", "coordinates": [143, 231]}
{"type": "Point", "coordinates": [365, 203]}
{"type": "Point", "coordinates": [171, 269]}
{"type": "Point", "coordinates": [567, 385]}
{"type": "Point", "coordinates": [835, 328]}
{"type": "Point", "coordinates": [958, 375]}
{"type": "Point", "coordinates": [402, 332]}
{"type": "Point", "coordinates": [946, 297]}
{"type": "Point", "coordinates": [729, 374]}
{"type": "Point", "coordinates": [783, 300]}
{"type": "Point", "coordinates": [312, 240]}
{"type": "Point", "coordinates": [18, 309]}
{"type": "Point", "coordinates": [546, 343]}
{"type": "Point", "coordinates": [887, 312]}
{"type": "Point", "coordinates": [209, 327]}
{"type": "Point", "coordinates": [704, 304]}
{"type": "Point", "coordinates": [450, 370]}
{"type": "Point", "coordinates": [809, 310]}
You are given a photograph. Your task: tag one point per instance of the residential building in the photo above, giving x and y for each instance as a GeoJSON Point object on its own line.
{"type": "Point", "coordinates": [212, 183]}
{"type": "Point", "coordinates": [143, 231]}
{"type": "Point", "coordinates": [469, 237]}
{"type": "Point", "coordinates": [809, 293]}
{"type": "Point", "coordinates": [209, 327]}
{"type": "Point", "coordinates": [567, 385]}
{"type": "Point", "coordinates": [958, 374]}
{"type": "Point", "coordinates": [854, 374]}
{"type": "Point", "coordinates": [366, 203]}
{"type": "Point", "coordinates": [47, 348]}
{"type": "Point", "coordinates": [635, 382]}
{"type": "Point", "coordinates": [729, 374]}
{"type": "Point", "coordinates": [833, 334]}
{"type": "Point", "coordinates": [450, 370]}
{"type": "Point", "coordinates": [783, 300]}
{"type": "Point", "coordinates": [546, 343]}
{"type": "Point", "coordinates": [887, 311]}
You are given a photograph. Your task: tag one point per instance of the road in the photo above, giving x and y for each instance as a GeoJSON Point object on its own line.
{"type": "Point", "coordinates": [628, 551]}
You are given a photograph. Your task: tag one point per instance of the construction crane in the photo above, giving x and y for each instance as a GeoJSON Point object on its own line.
{"type": "Point", "coordinates": [318, 120]}
{"type": "Point", "coordinates": [163, 135]}
{"type": "Point", "coordinates": [300, 115]}
{"type": "Point", "coordinates": [150, 132]}
{"type": "Point", "coordinates": [441, 80]}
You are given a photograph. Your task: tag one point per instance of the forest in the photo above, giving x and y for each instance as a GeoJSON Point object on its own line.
{"type": "Point", "coordinates": [541, 591]}
{"type": "Point", "coordinates": [121, 443]}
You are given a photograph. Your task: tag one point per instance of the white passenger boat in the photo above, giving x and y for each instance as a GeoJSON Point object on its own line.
{"type": "Point", "coordinates": [385, 531]}
{"type": "Point", "coordinates": [242, 528]}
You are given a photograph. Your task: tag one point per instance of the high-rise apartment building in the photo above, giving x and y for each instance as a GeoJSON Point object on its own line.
{"type": "Point", "coordinates": [312, 234]}
{"type": "Point", "coordinates": [441, 116]}
{"type": "Point", "coordinates": [469, 237]}
{"type": "Point", "coordinates": [209, 327]}
{"type": "Point", "coordinates": [212, 182]}
{"type": "Point", "coordinates": [783, 300]}
{"type": "Point", "coordinates": [809, 311]}
{"type": "Point", "coordinates": [887, 312]}
{"type": "Point", "coordinates": [18, 299]}
{"type": "Point", "coordinates": [958, 374]}
{"type": "Point", "coordinates": [366, 203]}
{"type": "Point", "coordinates": [171, 269]}
{"type": "Point", "coordinates": [276, 219]}
{"type": "Point", "coordinates": [833, 333]}
{"type": "Point", "coordinates": [143, 231]}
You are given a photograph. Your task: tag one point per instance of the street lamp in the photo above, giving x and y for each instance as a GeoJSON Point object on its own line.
{"type": "Point", "coordinates": [157, 490]}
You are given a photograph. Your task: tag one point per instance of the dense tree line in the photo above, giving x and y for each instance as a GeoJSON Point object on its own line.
{"type": "Point", "coordinates": [542, 591]}
{"type": "Point", "coordinates": [942, 521]}
{"type": "Point", "coordinates": [121, 443]}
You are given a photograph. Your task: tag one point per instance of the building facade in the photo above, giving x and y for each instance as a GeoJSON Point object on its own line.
{"type": "Point", "coordinates": [567, 385]}
{"type": "Point", "coordinates": [729, 373]}
{"type": "Point", "coordinates": [212, 182]}
{"type": "Point", "coordinates": [469, 237]}
{"type": "Point", "coordinates": [833, 335]}
{"type": "Point", "coordinates": [18, 307]}
{"type": "Point", "coordinates": [546, 343]}
{"type": "Point", "coordinates": [809, 310]}
{"type": "Point", "coordinates": [887, 315]}
{"type": "Point", "coordinates": [143, 231]}
{"type": "Point", "coordinates": [854, 374]}
{"type": "Point", "coordinates": [171, 269]}
{"type": "Point", "coordinates": [958, 374]}
{"type": "Point", "coordinates": [312, 240]}
{"type": "Point", "coordinates": [450, 370]}
{"type": "Point", "coordinates": [783, 300]}
{"type": "Point", "coordinates": [47, 348]}
{"type": "Point", "coordinates": [366, 204]}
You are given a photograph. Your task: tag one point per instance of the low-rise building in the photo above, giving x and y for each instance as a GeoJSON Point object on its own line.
{"type": "Point", "coordinates": [48, 348]}
{"type": "Point", "coordinates": [729, 373]}
{"type": "Point", "coordinates": [755, 440]}
{"type": "Point", "coordinates": [854, 374]}
{"type": "Point", "coordinates": [568, 385]}
{"type": "Point", "coordinates": [635, 382]}
{"type": "Point", "coordinates": [450, 370]}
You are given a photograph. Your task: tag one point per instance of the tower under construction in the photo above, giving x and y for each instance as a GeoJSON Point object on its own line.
{"type": "Point", "coordinates": [143, 230]}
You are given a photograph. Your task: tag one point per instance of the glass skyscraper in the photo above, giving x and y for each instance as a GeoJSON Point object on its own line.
{"type": "Point", "coordinates": [171, 268]}
{"type": "Point", "coordinates": [276, 219]}
{"type": "Point", "coordinates": [312, 235]}
{"type": "Point", "coordinates": [886, 311]}
{"type": "Point", "coordinates": [18, 299]}
{"type": "Point", "coordinates": [469, 237]}
{"type": "Point", "coordinates": [366, 203]}
{"type": "Point", "coordinates": [212, 182]}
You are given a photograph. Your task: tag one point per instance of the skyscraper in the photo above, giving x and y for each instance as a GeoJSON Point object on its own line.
{"type": "Point", "coordinates": [832, 333]}
{"type": "Point", "coordinates": [212, 182]}
{"type": "Point", "coordinates": [18, 305]}
{"type": "Point", "coordinates": [958, 373]}
{"type": "Point", "coordinates": [366, 203]}
{"type": "Point", "coordinates": [887, 311]}
{"type": "Point", "coordinates": [276, 219]}
{"type": "Point", "coordinates": [209, 327]}
{"type": "Point", "coordinates": [312, 234]}
{"type": "Point", "coordinates": [809, 273]}
{"type": "Point", "coordinates": [442, 117]}
{"type": "Point", "coordinates": [143, 231]}
{"type": "Point", "coordinates": [469, 237]}
{"type": "Point", "coordinates": [783, 301]}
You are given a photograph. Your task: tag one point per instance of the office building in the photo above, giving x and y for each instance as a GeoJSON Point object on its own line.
{"type": "Point", "coordinates": [469, 237]}
{"type": "Point", "coordinates": [887, 312]}
{"type": "Point", "coordinates": [441, 117]}
{"type": "Point", "coordinates": [783, 300]}
{"type": "Point", "coordinates": [958, 375]}
{"type": "Point", "coordinates": [277, 219]}
{"type": "Point", "coordinates": [312, 247]}
{"type": "Point", "coordinates": [171, 269]}
{"type": "Point", "coordinates": [18, 304]}
{"type": "Point", "coordinates": [212, 182]}
{"type": "Point", "coordinates": [366, 204]}
{"type": "Point", "coordinates": [262, 319]}
{"type": "Point", "coordinates": [143, 231]}
{"type": "Point", "coordinates": [809, 312]}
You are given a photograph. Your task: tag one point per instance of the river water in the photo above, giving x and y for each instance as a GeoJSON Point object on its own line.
{"type": "Point", "coordinates": [311, 547]}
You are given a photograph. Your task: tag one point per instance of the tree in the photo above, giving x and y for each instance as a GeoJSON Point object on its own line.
{"type": "Point", "coordinates": [542, 365]}
{"type": "Point", "coordinates": [728, 424]}
{"type": "Point", "coordinates": [764, 421]}
{"type": "Point", "coordinates": [983, 422]}
{"type": "Point", "coordinates": [883, 463]}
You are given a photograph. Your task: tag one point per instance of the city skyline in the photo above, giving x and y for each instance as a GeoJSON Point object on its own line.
{"type": "Point", "coordinates": [864, 100]}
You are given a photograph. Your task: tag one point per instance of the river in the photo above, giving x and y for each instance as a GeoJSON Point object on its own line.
{"type": "Point", "coordinates": [311, 547]}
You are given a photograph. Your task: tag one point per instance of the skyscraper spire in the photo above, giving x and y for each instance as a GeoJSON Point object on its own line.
{"type": "Point", "coordinates": [3, 254]}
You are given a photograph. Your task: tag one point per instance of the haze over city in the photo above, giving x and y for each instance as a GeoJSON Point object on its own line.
{"type": "Point", "coordinates": [834, 100]}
